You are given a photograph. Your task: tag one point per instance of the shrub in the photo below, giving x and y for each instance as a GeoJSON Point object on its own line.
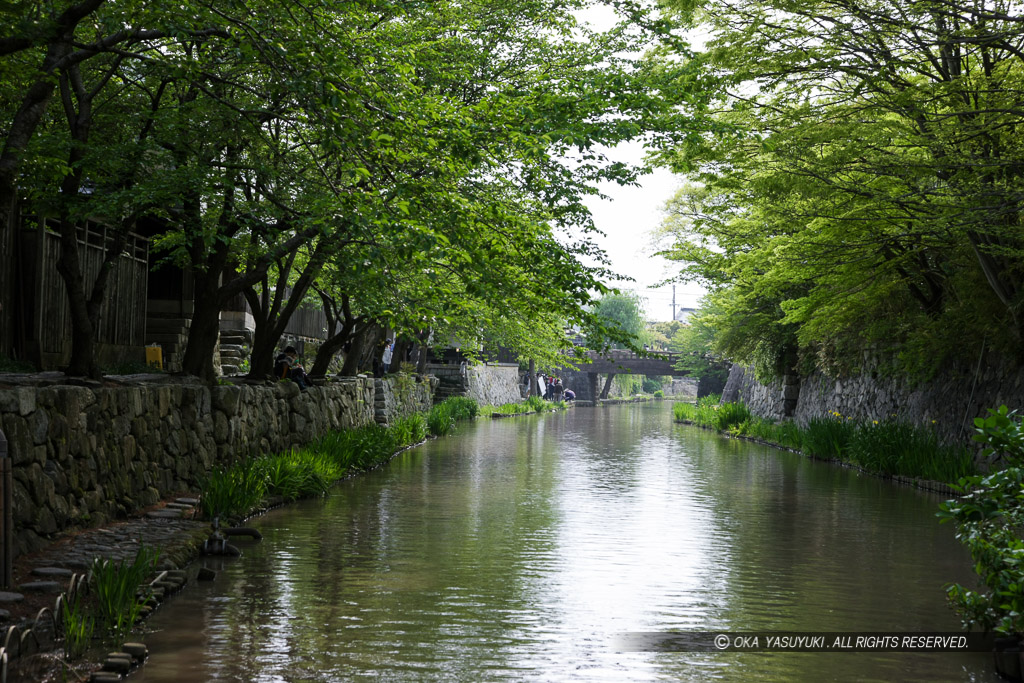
{"type": "Point", "coordinates": [650, 385]}
{"type": "Point", "coordinates": [659, 394]}
{"type": "Point", "coordinates": [988, 518]}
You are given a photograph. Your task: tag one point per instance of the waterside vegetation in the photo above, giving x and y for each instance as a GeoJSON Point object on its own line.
{"type": "Point", "coordinates": [988, 518]}
{"type": "Point", "coordinates": [891, 447]}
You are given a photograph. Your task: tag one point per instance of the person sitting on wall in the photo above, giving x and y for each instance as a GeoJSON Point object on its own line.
{"type": "Point", "coordinates": [287, 366]}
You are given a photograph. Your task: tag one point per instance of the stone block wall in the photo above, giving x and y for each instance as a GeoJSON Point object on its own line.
{"type": "Point", "coordinates": [82, 455]}
{"type": "Point", "coordinates": [947, 403]}
{"type": "Point", "coordinates": [495, 384]}
{"type": "Point", "coordinates": [488, 384]}
{"type": "Point", "coordinates": [398, 396]}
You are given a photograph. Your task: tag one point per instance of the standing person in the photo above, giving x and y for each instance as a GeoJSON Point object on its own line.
{"type": "Point", "coordinates": [385, 359]}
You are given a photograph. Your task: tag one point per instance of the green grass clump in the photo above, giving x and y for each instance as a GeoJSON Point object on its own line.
{"type": "Point", "coordinates": [444, 415]}
{"type": "Point", "coordinates": [900, 448]}
{"type": "Point", "coordinates": [116, 588]}
{"type": "Point", "coordinates": [684, 412]}
{"type": "Point", "coordinates": [828, 436]}
{"type": "Point", "coordinates": [728, 415]}
{"type": "Point", "coordinates": [233, 491]}
{"type": "Point", "coordinates": [78, 623]}
{"type": "Point", "coordinates": [536, 404]}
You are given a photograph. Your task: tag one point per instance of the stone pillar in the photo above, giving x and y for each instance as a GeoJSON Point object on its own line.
{"type": "Point", "coordinates": [594, 381]}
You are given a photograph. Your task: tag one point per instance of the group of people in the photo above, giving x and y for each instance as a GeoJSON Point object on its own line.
{"type": "Point", "coordinates": [552, 389]}
{"type": "Point", "coordinates": [287, 365]}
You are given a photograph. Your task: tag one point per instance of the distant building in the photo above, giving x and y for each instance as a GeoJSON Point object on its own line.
{"type": "Point", "coordinates": [683, 314]}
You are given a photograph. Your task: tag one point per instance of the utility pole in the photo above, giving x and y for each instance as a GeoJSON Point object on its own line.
{"type": "Point", "coordinates": [673, 302]}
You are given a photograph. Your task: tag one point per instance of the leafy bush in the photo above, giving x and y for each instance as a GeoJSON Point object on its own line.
{"type": "Point", "coordinates": [659, 394]}
{"type": "Point", "coordinates": [11, 365]}
{"type": "Point", "coordinates": [988, 519]}
{"type": "Point", "coordinates": [651, 385]}
{"type": "Point", "coordinates": [440, 420]}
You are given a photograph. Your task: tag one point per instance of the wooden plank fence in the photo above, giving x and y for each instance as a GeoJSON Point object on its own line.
{"type": "Point", "coordinates": [123, 312]}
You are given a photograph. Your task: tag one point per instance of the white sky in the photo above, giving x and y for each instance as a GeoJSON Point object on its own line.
{"type": "Point", "coordinates": [627, 219]}
{"type": "Point", "coordinates": [629, 216]}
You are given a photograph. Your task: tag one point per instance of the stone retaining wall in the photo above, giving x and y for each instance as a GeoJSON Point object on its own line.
{"type": "Point", "coordinates": [488, 384]}
{"type": "Point", "coordinates": [948, 403]}
{"type": "Point", "coordinates": [494, 385]}
{"type": "Point", "coordinates": [82, 455]}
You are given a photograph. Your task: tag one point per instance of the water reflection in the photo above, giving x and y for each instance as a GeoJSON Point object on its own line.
{"type": "Point", "coordinates": [520, 549]}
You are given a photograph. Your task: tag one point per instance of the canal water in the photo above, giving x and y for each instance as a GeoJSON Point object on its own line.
{"type": "Point", "coordinates": [524, 549]}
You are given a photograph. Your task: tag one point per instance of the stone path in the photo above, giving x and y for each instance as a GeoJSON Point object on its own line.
{"type": "Point", "coordinates": [39, 576]}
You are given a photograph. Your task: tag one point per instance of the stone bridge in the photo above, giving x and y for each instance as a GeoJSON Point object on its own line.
{"type": "Point", "coordinates": [619, 361]}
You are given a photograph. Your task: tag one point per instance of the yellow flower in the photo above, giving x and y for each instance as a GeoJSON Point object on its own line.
{"type": "Point", "coordinates": [874, 422]}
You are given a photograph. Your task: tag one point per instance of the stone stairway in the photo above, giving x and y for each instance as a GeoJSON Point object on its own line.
{"type": "Point", "coordinates": [448, 387]}
{"type": "Point", "coordinates": [234, 349]}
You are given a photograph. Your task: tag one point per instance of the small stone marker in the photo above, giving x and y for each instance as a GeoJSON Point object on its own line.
{"type": "Point", "coordinates": [105, 677]}
{"type": "Point", "coordinates": [52, 571]}
{"type": "Point", "coordinates": [7, 596]}
{"type": "Point", "coordinates": [40, 587]}
{"type": "Point", "coordinates": [121, 665]}
{"type": "Point", "coordinates": [137, 650]}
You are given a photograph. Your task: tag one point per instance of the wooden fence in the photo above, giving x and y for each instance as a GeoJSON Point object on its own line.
{"type": "Point", "coordinates": [122, 318]}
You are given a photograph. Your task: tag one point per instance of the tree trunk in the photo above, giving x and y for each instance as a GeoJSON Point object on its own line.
{"type": "Point", "coordinates": [607, 385]}
{"type": "Point", "coordinates": [401, 350]}
{"type": "Point", "coordinates": [205, 328]}
{"type": "Point", "coordinates": [354, 357]}
{"type": "Point", "coordinates": [532, 391]}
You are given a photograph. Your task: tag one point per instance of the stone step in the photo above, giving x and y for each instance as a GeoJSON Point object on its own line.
{"type": "Point", "coordinates": [229, 369]}
{"type": "Point", "coordinates": [233, 339]}
{"type": "Point", "coordinates": [230, 348]}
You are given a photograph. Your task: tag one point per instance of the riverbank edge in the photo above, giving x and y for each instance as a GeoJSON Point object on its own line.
{"type": "Point", "coordinates": [178, 554]}
{"type": "Point", "coordinates": [187, 548]}
{"type": "Point", "coordinates": [914, 482]}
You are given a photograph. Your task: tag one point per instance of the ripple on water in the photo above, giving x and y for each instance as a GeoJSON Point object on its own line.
{"type": "Point", "coordinates": [520, 550]}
